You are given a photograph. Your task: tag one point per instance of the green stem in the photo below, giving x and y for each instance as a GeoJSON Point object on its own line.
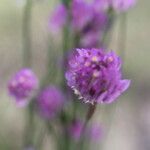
{"type": "Point", "coordinates": [27, 34]}
{"type": "Point", "coordinates": [29, 130]}
{"type": "Point", "coordinates": [52, 131]}
{"type": "Point", "coordinates": [89, 115]}
{"type": "Point", "coordinates": [40, 139]}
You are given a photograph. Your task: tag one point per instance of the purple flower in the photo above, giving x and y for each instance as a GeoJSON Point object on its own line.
{"type": "Point", "coordinates": [75, 129]}
{"type": "Point", "coordinates": [50, 102]}
{"type": "Point", "coordinates": [58, 19]}
{"type": "Point", "coordinates": [92, 33]}
{"type": "Point", "coordinates": [22, 86]}
{"type": "Point", "coordinates": [123, 5]}
{"type": "Point", "coordinates": [88, 22]}
{"type": "Point", "coordinates": [95, 132]}
{"type": "Point", "coordinates": [82, 14]}
{"type": "Point", "coordinates": [95, 76]}
{"type": "Point", "coordinates": [85, 20]}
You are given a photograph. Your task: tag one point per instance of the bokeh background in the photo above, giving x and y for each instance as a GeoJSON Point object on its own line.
{"type": "Point", "coordinates": [130, 125]}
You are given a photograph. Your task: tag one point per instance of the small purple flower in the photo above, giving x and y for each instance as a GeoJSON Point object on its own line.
{"type": "Point", "coordinates": [123, 5]}
{"type": "Point", "coordinates": [88, 22]}
{"type": "Point", "coordinates": [91, 34]}
{"type": "Point", "coordinates": [95, 132]}
{"type": "Point", "coordinates": [75, 129]}
{"type": "Point", "coordinates": [22, 86]}
{"type": "Point", "coordinates": [58, 19]}
{"type": "Point", "coordinates": [82, 14]}
{"type": "Point", "coordinates": [95, 76]}
{"type": "Point", "coordinates": [50, 102]}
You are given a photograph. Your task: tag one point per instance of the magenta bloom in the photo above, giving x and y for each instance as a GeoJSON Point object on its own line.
{"type": "Point", "coordinates": [58, 19]}
{"type": "Point", "coordinates": [75, 129]}
{"type": "Point", "coordinates": [22, 86]}
{"type": "Point", "coordinates": [95, 76]}
{"type": "Point", "coordinates": [50, 102]}
{"type": "Point", "coordinates": [123, 5]}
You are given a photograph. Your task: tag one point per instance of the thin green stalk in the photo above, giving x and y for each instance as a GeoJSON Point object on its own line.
{"type": "Point", "coordinates": [29, 130]}
{"type": "Point", "coordinates": [59, 141]}
{"type": "Point", "coordinates": [40, 139]}
{"type": "Point", "coordinates": [89, 115]}
{"type": "Point", "coordinates": [26, 33]}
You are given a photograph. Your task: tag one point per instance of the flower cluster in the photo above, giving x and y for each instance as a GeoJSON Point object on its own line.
{"type": "Point", "coordinates": [22, 86]}
{"type": "Point", "coordinates": [95, 76]}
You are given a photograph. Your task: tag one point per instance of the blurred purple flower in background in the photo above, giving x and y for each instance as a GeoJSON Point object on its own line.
{"type": "Point", "coordinates": [93, 31]}
{"type": "Point", "coordinates": [95, 76]}
{"type": "Point", "coordinates": [82, 14]}
{"type": "Point", "coordinates": [95, 132]}
{"type": "Point", "coordinates": [58, 18]}
{"type": "Point", "coordinates": [50, 102]}
{"type": "Point", "coordinates": [89, 22]}
{"type": "Point", "coordinates": [22, 86]}
{"type": "Point", "coordinates": [85, 20]}
{"type": "Point", "coordinates": [75, 129]}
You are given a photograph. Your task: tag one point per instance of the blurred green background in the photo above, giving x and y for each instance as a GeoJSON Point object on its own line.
{"type": "Point", "coordinates": [130, 128]}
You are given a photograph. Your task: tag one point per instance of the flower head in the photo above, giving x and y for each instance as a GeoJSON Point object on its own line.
{"type": "Point", "coordinates": [22, 85]}
{"type": "Point", "coordinates": [95, 76]}
{"type": "Point", "coordinates": [50, 102]}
